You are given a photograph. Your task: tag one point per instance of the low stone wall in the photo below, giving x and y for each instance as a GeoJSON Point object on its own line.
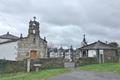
{"type": "Point", "coordinates": [111, 59]}
{"type": "Point", "coordinates": [85, 61]}
{"type": "Point", "coordinates": [48, 63]}
{"type": "Point", "coordinates": [7, 66]}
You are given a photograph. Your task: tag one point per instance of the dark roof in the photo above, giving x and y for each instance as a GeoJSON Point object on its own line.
{"type": "Point", "coordinates": [9, 41]}
{"type": "Point", "coordinates": [9, 36]}
{"type": "Point", "coordinates": [98, 45]}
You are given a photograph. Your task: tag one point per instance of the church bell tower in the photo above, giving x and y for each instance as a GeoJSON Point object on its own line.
{"type": "Point", "coordinates": [33, 28]}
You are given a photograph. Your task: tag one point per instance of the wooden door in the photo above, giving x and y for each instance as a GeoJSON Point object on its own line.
{"type": "Point", "coordinates": [33, 54]}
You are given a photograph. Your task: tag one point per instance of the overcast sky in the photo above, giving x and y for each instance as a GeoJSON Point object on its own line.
{"type": "Point", "coordinates": [63, 22]}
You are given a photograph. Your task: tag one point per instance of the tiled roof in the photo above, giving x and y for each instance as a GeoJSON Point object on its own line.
{"type": "Point", "coordinates": [97, 45]}
{"type": "Point", "coordinates": [9, 36]}
{"type": "Point", "coordinates": [9, 41]}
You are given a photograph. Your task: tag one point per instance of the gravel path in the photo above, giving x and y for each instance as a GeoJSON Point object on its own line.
{"type": "Point", "coordinates": [86, 75]}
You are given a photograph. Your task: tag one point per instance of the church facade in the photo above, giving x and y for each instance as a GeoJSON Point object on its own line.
{"type": "Point", "coordinates": [32, 46]}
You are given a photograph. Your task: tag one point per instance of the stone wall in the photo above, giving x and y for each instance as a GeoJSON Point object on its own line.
{"type": "Point", "coordinates": [111, 56]}
{"type": "Point", "coordinates": [48, 63]}
{"type": "Point", "coordinates": [85, 61]}
{"type": "Point", "coordinates": [12, 66]}
{"type": "Point", "coordinates": [20, 66]}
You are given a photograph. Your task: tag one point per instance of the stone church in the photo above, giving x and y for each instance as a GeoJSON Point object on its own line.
{"type": "Point", "coordinates": [19, 48]}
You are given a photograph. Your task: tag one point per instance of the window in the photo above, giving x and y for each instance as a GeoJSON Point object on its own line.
{"type": "Point", "coordinates": [33, 31]}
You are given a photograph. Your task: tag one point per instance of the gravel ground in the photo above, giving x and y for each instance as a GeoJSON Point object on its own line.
{"type": "Point", "coordinates": [86, 75]}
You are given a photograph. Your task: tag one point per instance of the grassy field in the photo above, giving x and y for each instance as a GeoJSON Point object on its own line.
{"type": "Point", "coordinates": [42, 75]}
{"type": "Point", "coordinates": [110, 67]}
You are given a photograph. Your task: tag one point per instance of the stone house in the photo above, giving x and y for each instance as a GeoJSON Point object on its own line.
{"type": "Point", "coordinates": [102, 52]}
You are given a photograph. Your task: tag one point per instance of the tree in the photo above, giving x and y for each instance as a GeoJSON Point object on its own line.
{"type": "Point", "coordinates": [114, 44]}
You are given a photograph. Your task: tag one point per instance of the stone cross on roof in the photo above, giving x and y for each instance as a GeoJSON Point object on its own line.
{"type": "Point", "coordinates": [84, 40]}
{"type": "Point", "coordinates": [84, 35]}
{"type": "Point", "coordinates": [34, 18]}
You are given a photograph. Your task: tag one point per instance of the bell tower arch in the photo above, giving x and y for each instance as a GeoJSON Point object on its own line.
{"type": "Point", "coordinates": [33, 28]}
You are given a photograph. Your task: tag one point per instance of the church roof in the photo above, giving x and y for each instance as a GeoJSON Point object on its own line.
{"type": "Point", "coordinates": [97, 45]}
{"type": "Point", "coordinates": [9, 36]}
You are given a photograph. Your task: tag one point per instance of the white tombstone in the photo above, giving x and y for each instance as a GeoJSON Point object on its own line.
{"type": "Point", "coordinates": [37, 67]}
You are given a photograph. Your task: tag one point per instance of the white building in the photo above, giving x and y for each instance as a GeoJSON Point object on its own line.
{"type": "Point", "coordinates": [8, 46]}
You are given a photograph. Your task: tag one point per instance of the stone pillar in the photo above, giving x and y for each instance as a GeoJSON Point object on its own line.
{"type": "Point", "coordinates": [98, 56]}
{"type": "Point", "coordinates": [117, 55]}
{"type": "Point", "coordinates": [37, 69]}
{"type": "Point", "coordinates": [48, 54]}
{"type": "Point", "coordinates": [82, 53]}
{"type": "Point", "coordinates": [87, 53]}
{"type": "Point", "coordinates": [28, 65]}
{"type": "Point", "coordinates": [103, 58]}
{"type": "Point", "coordinates": [63, 54]}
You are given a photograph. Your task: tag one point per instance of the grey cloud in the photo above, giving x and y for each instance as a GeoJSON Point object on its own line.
{"type": "Point", "coordinates": [64, 21]}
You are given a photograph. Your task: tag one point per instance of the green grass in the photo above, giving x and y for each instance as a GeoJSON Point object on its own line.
{"type": "Point", "coordinates": [109, 67]}
{"type": "Point", "coordinates": [42, 75]}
